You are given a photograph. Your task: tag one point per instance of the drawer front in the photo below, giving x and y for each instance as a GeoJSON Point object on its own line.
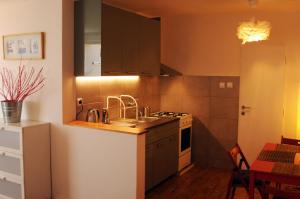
{"type": "Point", "coordinates": [163, 131]}
{"type": "Point", "coordinates": [10, 140]}
{"type": "Point", "coordinates": [159, 133]}
{"type": "Point", "coordinates": [10, 189]}
{"type": "Point", "coordinates": [10, 163]}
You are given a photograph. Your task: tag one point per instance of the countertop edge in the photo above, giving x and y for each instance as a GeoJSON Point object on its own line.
{"type": "Point", "coordinates": [116, 129]}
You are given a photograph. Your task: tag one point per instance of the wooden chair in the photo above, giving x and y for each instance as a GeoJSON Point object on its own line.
{"type": "Point", "coordinates": [240, 177]}
{"type": "Point", "coordinates": [290, 141]}
{"type": "Point", "coordinates": [282, 191]}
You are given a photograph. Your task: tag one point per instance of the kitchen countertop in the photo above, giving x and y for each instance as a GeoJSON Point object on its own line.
{"type": "Point", "coordinates": [140, 129]}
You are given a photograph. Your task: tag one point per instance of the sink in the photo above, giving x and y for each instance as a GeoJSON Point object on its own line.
{"type": "Point", "coordinates": [123, 124]}
{"type": "Point", "coordinates": [132, 122]}
{"type": "Point", "coordinates": [147, 119]}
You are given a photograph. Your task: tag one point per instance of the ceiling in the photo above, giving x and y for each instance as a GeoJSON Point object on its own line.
{"type": "Point", "coordinates": [155, 8]}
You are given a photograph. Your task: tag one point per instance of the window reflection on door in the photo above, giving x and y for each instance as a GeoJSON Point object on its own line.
{"type": "Point", "coordinates": [92, 59]}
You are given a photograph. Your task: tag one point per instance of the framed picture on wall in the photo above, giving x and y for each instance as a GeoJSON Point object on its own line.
{"type": "Point", "coordinates": [23, 46]}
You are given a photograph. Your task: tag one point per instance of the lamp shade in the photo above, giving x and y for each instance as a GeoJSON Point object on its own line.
{"type": "Point", "coordinates": [253, 31]}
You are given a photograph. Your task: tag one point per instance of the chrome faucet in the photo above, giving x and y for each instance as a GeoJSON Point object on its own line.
{"type": "Point", "coordinates": [121, 104]}
{"type": "Point", "coordinates": [132, 104]}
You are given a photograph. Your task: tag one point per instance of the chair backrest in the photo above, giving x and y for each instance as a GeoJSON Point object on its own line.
{"type": "Point", "coordinates": [290, 141]}
{"type": "Point", "coordinates": [238, 158]}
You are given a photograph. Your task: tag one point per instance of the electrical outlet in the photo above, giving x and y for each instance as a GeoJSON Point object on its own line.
{"type": "Point", "coordinates": [79, 101]}
{"type": "Point", "coordinates": [221, 84]}
{"type": "Point", "coordinates": [229, 84]}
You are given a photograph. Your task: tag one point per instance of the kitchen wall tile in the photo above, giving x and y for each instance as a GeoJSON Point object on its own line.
{"type": "Point", "coordinates": [225, 130]}
{"type": "Point", "coordinates": [154, 103]}
{"type": "Point", "coordinates": [219, 127]}
{"type": "Point", "coordinates": [89, 90]}
{"type": "Point", "coordinates": [86, 107]}
{"type": "Point", "coordinates": [199, 143]}
{"type": "Point", "coordinates": [196, 86]}
{"type": "Point", "coordinates": [155, 82]}
{"type": "Point", "coordinates": [171, 85]}
{"type": "Point", "coordinates": [128, 88]}
{"type": "Point", "coordinates": [221, 107]}
{"type": "Point", "coordinates": [216, 91]}
{"type": "Point", "coordinates": [171, 103]}
{"type": "Point", "coordinates": [145, 86]}
{"type": "Point", "coordinates": [197, 106]}
{"type": "Point", "coordinates": [218, 156]}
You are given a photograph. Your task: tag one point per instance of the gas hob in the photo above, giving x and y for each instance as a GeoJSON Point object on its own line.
{"type": "Point", "coordinates": [185, 118]}
{"type": "Point", "coordinates": [168, 114]}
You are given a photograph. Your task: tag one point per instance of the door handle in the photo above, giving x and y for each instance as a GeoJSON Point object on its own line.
{"type": "Point", "coordinates": [245, 107]}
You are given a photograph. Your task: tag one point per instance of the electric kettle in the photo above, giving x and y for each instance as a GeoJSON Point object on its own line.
{"type": "Point", "coordinates": [93, 115]}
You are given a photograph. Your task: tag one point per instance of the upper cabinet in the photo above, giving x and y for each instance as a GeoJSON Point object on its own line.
{"type": "Point", "coordinates": [149, 47]}
{"type": "Point", "coordinates": [87, 37]}
{"type": "Point", "coordinates": [129, 43]}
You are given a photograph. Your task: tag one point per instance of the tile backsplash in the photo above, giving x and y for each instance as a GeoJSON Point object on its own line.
{"type": "Point", "coordinates": [94, 92]}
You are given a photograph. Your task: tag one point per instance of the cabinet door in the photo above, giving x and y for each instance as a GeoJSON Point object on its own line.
{"type": "Point", "coordinates": [87, 37]}
{"type": "Point", "coordinates": [131, 33]}
{"type": "Point", "coordinates": [112, 38]}
{"type": "Point", "coordinates": [164, 159]}
{"type": "Point", "coordinates": [171, 155]}
{"type": "Point", "coordinates": [149, 165]}
{"type": "Point", "coordinates": [149, 47]}
{"type": "Point", "coordinates": [159, 166]}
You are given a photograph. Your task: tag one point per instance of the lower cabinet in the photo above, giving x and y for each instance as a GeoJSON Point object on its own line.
{"type": "Point", "coordinates": [25, 161]}
{"type": "Point", "coordinates": [161, 154]}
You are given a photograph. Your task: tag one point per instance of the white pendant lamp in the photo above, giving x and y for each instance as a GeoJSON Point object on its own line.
{"type": "Point", "coordinates": [252, 30]}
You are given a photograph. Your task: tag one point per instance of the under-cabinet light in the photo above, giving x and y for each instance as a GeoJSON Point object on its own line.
{"type": "Point", "coordinates": [107, 78]}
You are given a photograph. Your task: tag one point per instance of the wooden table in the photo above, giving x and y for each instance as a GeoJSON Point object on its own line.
{"type": "Point", "coordinates": [276, 162]}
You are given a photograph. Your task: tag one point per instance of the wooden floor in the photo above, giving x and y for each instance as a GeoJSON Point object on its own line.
{"type": "Point", "coordinates": [197, 183]}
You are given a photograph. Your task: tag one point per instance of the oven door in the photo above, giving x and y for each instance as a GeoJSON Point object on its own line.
{"type": "Point", "coordinates": [185, 139]}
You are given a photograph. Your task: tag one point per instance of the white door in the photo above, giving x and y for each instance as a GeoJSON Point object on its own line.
{"type": "Point", "coordinates": [261, 97]}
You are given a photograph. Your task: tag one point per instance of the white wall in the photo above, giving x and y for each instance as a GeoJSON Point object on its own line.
{"type": "Point", "coordinates": [86, 163]}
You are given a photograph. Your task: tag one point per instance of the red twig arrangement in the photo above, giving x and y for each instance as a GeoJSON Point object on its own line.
{"type": "Point", "coordinates": [26, 83]}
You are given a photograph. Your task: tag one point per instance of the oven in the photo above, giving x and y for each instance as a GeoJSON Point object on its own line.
{"type": "Point", "coordinates": [185, 139]}
{"type": "Point", "coordinates": [185, 143]}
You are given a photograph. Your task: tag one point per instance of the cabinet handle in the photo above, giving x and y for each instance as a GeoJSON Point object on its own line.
{"type": "Point", "coordinates": [131, 73]}
{"type": "Point", "coordinates": [4, 154]}
{"type": "Point", "coordinates": [113, 73]}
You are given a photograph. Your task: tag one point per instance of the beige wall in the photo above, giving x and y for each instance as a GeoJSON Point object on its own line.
{"type": "Point", "coordinates": [86, 163]}
{"type": "Point", "coordinates": [207, 45]}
